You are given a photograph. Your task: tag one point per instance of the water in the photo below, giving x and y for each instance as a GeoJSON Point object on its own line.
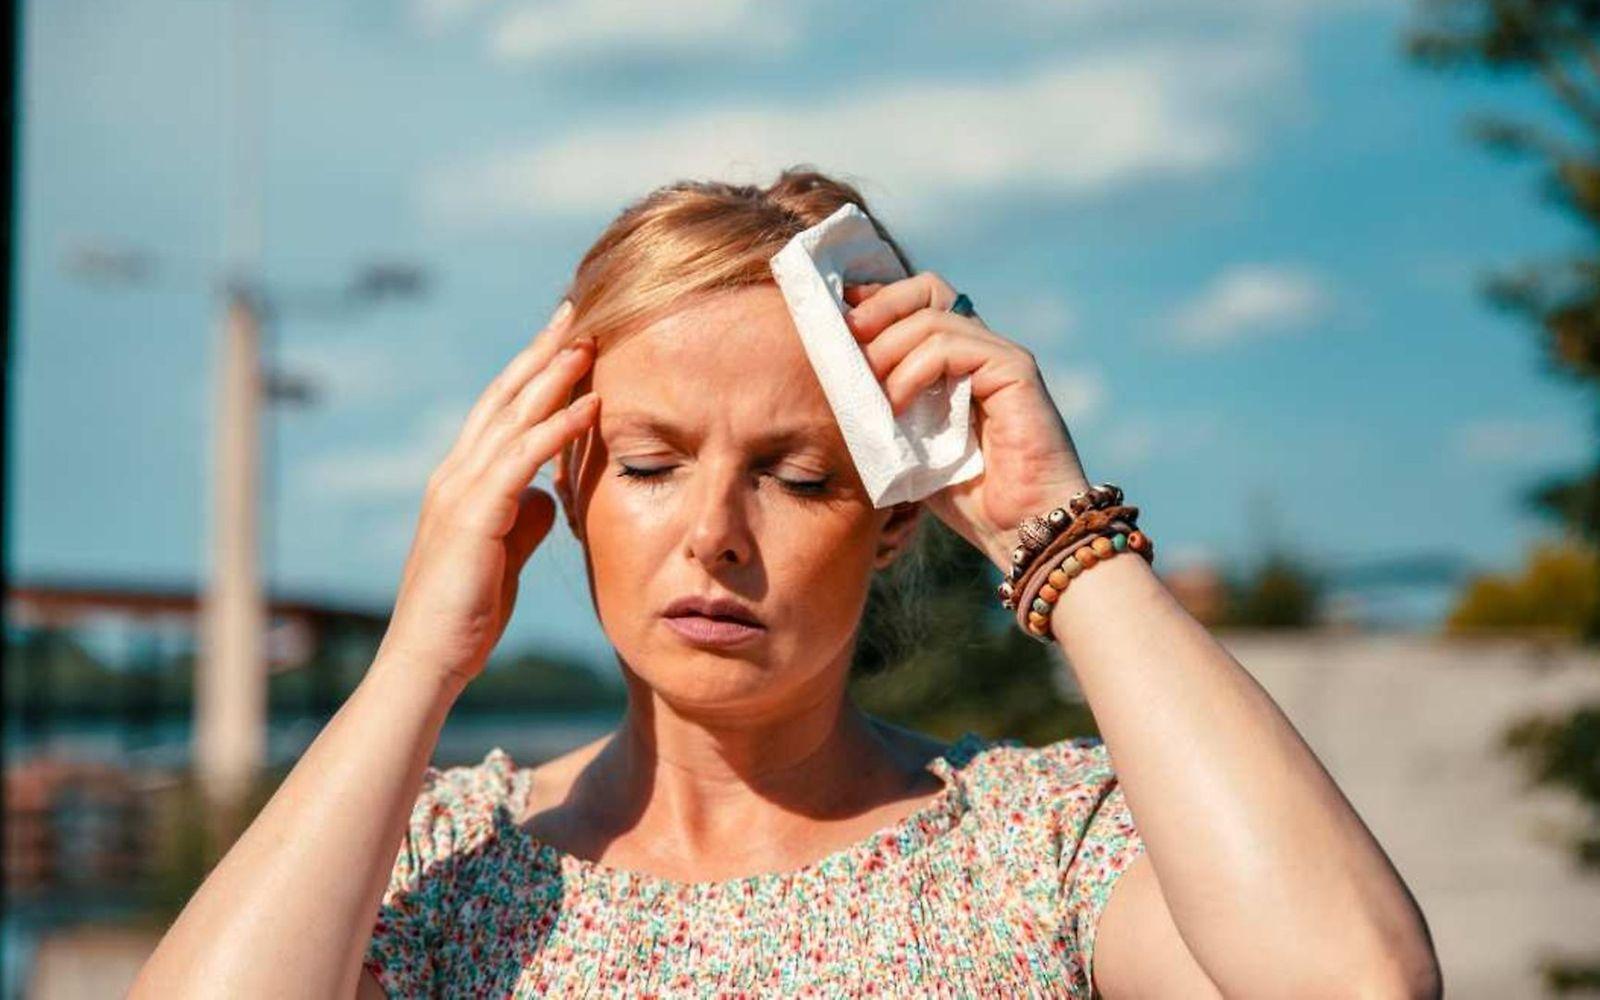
{"type": "Point", "coordinates": [166, 743]}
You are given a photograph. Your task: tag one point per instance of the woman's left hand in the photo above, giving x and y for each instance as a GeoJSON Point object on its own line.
{"type": "Point", "coordinates": [911, 341]}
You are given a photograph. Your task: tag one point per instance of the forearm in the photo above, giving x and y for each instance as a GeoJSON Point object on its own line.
{"type": "Point", "coordinates": [289, 908]}
{"type": "Point", "coordinates": [1270, 875]}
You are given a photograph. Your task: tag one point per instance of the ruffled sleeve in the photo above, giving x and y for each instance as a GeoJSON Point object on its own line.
{"type": "Point", "coordinates": [453, 815]}
{"type": "Point", "coordinates": [1098, 843]}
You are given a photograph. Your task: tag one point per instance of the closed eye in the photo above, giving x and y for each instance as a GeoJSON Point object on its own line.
{"type": "Point", "coordinates": [654, 477]}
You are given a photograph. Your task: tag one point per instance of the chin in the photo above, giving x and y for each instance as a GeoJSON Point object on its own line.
{"type": "Point", "coordinates": [690, 677]}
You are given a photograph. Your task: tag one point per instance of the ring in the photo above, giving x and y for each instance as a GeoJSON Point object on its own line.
{"type": "Point", "coordinates": [962, 306]}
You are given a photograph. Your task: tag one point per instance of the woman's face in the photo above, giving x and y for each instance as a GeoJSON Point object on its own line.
{"type": "Point", "coordinates": [717, 470]}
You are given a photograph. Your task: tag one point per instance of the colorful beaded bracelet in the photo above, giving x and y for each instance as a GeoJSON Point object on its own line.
{"type": "Point", "coordinates": [1088, 523]}
{"type": "Point", "coordinates": [1035, 533]}
{"type": "Point", "coordinates": [1039, 601]}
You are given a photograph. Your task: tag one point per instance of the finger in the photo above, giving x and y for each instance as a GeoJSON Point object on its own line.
{"type": "Point", "coordinates": [545, 393]}
{"type": "Point", "coordinates": [516, 464]}
{"type": "Point", "coordinates": [898, 299]}
{"type": "Point", "coordinates": [886, 349]}
{"type": "Point", "coordinates": [945, 353]}
{"type": "Point", "coordinates": [523, 366]}
{"type": "Point", "coordinates": [854, 294]}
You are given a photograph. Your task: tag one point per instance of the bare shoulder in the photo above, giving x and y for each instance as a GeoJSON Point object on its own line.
{"type": "Point", "coordinates": [549, 784]}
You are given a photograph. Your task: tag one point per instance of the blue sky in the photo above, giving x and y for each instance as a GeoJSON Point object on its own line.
{"type": "Point", "coordinates": [1243, 238]}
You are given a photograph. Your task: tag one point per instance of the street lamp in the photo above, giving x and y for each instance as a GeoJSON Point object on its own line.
{"type": "Point", "coordinates": [230, 706]}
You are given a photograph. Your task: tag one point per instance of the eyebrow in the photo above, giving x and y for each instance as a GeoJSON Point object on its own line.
{"type": "Point", "coordinates": [786, 434]}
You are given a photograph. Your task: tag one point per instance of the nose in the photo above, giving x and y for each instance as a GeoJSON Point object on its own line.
{"type": "Point", "coordinates": [719, 527]}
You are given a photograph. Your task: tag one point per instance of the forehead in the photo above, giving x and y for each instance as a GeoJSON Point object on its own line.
{"type": "Point", "coordinates": [733, 356]}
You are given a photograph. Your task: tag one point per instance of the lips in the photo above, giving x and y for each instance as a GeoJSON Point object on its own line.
{"type": "Point", "coordinates": [724, 609]}
{"type": "Point", "coordinates": [712, 621]}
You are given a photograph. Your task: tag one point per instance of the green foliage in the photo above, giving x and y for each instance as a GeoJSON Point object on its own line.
{"type": "Point", "coordinates": [1558, 43]}
{"type": "Point", "coordinates": [189, 836]}
{"type": "Point", "coordinates": [943, 657]}
{"type": "Point", "coordinates": [1563, 751]}
{"type": "Point", "coordinates": [1557, 593]}
{"type": "Point", "coordinates": [539, 683]}
{"type": "Point", "coordinates": [51, 675]}
{"type": "Point", "coordinates": [1281, 592]}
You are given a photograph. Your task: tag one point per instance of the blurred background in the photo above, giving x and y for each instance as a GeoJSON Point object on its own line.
{"type": "Point", "coordinates": [1317, 283]}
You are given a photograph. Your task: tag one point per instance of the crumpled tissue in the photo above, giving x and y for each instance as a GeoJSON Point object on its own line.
{"type": "Point", "coordinates": [930, 445]}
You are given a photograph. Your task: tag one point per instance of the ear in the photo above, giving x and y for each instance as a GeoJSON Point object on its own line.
{"type": "Point", "coordinates": [903, 518]}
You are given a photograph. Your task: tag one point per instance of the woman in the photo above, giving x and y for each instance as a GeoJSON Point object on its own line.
{"type": "Point", "coordinates": [747, 830]}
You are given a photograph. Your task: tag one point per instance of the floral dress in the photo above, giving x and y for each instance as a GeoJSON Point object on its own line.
{"type": "Point", "coordinates": [991, 889]}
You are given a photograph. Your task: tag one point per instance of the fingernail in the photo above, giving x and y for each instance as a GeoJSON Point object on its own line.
{"type": "Point", "coordinates": [562, 312]}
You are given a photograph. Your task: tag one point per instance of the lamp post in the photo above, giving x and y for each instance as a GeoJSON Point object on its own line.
{"type": "Point", "coordinates": [230, 703]}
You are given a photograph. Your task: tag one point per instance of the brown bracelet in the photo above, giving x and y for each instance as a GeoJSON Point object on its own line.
{"type": "Point", "coordinates": [1048, 576]}
{"type": "Point", "coordinates": [1035, 532]}
{"type": "Point", "coordinates": [1043, 588]}
{"type": "Point", "coordinates": [1087, 523]}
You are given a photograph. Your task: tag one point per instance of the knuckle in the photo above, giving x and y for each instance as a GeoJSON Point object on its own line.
{"type": "Point", "coordinates": [508, 417]}
{"type": "Point", "coordinates": [440, 478]}
{"type": "Point", "coordinates": [499, 386]}
{"type": "Point", "coordinates": [524, 447]}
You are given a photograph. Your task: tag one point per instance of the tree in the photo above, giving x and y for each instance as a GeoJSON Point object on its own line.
{"type": "Point", "coordinates": [1556, 42]}
{"type": "Point", "coordinates": [1555, 594]}
{"type": "Point", "coordinates": [939, 654]}
{"type": "Point", "coordinates": [1280, 592]}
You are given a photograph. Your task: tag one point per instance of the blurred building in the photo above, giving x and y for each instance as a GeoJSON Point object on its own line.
{"type": "Point", "coordinates": [1200, 588]}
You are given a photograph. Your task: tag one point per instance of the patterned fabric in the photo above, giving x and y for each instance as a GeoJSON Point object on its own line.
{"type": "Point", "coordinates": [993, 888]}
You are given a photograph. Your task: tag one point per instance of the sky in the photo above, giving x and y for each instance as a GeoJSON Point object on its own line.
{"type": "Point", "coordinates": [1243, 237]}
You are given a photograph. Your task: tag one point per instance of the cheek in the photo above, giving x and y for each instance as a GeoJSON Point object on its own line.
{"type": "Point", "coordinates": [820, 570]}
{"type": "Point", "coordinates": [817, 562]}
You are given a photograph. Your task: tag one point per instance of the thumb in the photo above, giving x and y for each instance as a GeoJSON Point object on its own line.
{"type": "Point", "coordinates": [536, 512]}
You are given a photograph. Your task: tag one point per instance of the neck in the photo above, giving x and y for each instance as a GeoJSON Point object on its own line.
{"type": "Point", "coordinates": [702, 780]}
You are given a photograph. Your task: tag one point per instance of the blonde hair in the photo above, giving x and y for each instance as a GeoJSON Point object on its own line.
{"type": "Point", "coordinates": [699, 237]}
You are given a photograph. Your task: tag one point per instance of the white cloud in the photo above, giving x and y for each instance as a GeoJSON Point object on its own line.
{"type": "Point", "coordinates": [1502, 440]}
{"type": "Point", "coordinates": [348, 370]}
{"type": "Point", "coordinates": [1135, 440]}
{"type": "Point", "coordinates": [1250, 300]}
{"type": "Point", "coordinates": [1040, 323]}
{"type": "Point", "coordinates": [1076, 129]}
{"type": "Point", "coordinates": [1079, 393]}
{"type": "Point", "coordinates": [434, 16]}
{"type": "Point", "coordinates": [581, 28]}
{"type": "Point", "coordinates": [386, 471]}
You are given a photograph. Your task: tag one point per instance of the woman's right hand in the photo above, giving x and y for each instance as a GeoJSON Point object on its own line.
{"type": "Point", "coordinates": [481, 519]}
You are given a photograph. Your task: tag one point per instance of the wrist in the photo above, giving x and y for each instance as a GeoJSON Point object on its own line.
{"type": "Point", "coordinates": [999, 544]}
{"type": "Point", "coordinates": [1095, 591]}
{"type": "Point", "coordinates": [396, 674]}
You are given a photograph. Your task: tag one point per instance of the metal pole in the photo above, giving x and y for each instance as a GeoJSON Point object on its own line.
{"type": "Point", "coordinates": [231, 677]}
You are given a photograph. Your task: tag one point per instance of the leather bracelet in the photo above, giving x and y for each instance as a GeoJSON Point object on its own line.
{"type": "Point", "coordinates": [1037, 531]}
{"type": "Point", "coordinates": [1095, 523]}
{"type": "Point", "coordinates": [1058, 569]}
{"type": "Point", "coordinates": [1087, 523]}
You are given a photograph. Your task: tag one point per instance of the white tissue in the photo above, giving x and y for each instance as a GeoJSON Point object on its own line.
{"type": "Point", "coordinates": [932, 443]}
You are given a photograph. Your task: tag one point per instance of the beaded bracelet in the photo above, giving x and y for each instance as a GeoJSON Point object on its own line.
{"type": "Point", "coordinates": [1089, 522]}
{"type": "Point", "coordinates": [1037, 532]}
{"type": "Point", "coordinates": [1045, 589]}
